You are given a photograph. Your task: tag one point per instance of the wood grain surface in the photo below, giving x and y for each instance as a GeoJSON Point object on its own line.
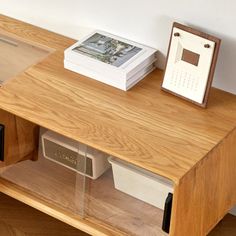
{"type": "Point", "coordinates": [16, 56]}
{"type": "Point", "coordinates": [21, 139]}
{"type": "Point", "coordinates": [206, 193]}
{"type": "Point", "coordinates": [36, 223]}
{"type": "Point", "coordinates": [33, 223]}
{"type": "Point", "coordinates": [144, 126]}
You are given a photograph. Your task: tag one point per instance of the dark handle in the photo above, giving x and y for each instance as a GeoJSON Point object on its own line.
{"type": "Point", "coordinates": [2, 142]}
{"type": "Point", "coordinates": [167, 213]}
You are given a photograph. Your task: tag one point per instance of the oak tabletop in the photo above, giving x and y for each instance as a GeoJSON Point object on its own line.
{"type": "Point", "coordinates": [144, 126]}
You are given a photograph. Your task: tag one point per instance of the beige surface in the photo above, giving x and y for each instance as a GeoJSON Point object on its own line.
{"type": "Point", "coordinates": [145, 126]}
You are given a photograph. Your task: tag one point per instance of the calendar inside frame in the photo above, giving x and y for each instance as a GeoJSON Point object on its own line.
{"type": "Point", "coordinates": [190, 64]}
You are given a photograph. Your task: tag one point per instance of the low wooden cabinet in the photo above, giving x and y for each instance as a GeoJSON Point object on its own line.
{"type": "Point", "coordinates": [146, 127]}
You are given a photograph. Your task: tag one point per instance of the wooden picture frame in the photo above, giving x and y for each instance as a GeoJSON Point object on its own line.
{"type": "Point", "coordinates": [190, 59]}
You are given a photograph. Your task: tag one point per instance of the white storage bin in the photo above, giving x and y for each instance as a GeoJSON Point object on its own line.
{"type": "Point", "coordinates": [74, 155]}
{"type": "Point", "coordinates": [140, 183]}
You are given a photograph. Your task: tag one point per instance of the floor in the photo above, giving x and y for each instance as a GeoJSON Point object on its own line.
{"type": "Point", "coordinates": [18, 219]}
{"type": "Point", "coordinates": [227, 227]}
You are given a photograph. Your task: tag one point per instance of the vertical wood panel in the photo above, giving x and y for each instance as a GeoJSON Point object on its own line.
{"type": "Point", "coordinates": [21, 139]}
{"type": "Point", "coordinates": [204, 195]}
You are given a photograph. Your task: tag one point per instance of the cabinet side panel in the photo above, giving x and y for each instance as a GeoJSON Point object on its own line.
{"type": "Point", "coordinates": [21, 139]}
{"type": "Point", "coordinates": [28, 136]}
{"type": "Point", "coordinates": [207, 192]}
{"type": "Point", "coordinates": [11, 147]}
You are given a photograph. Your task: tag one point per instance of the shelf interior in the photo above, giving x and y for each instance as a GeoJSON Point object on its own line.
{"type": "Point", "coordinates": [112, 207]}
{"type": "Point", "coordinates": [95, 201]}
{"type": "Point", "coordinates": [50, 181]}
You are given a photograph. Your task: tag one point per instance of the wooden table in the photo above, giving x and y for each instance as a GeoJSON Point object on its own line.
{"type": "Point", "coordinates": [193, 147]}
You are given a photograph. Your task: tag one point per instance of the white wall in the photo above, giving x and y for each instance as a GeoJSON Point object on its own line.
{"type": "Point", "coordinates": [145, 21]}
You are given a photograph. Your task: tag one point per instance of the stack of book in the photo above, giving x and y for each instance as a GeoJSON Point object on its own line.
{"type": "Point", "coordinates": [110, 59]}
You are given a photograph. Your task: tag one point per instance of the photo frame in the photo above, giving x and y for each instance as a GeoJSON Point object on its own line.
{"type": "Point", "coordinates": [190, 64]}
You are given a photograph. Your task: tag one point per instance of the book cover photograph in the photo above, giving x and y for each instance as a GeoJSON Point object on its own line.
{"type": "Point", "coordinates": [107, 49]}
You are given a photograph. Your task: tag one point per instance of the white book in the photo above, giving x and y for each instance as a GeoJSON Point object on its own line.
{"type": "Point", "coordinates": [121, 84]}
{"type": "Point", "coordinates": [141, 75]}
{"type": "Point", "coordinates": [108, 78]}
{"type": "Point", "coordinates": [110, 54]}
{"type": "Point", "coordinates": [119, 75]}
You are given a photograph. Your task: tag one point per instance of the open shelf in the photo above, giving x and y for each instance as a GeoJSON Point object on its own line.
{"type": "Point", "coordinates": [92, 202]}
